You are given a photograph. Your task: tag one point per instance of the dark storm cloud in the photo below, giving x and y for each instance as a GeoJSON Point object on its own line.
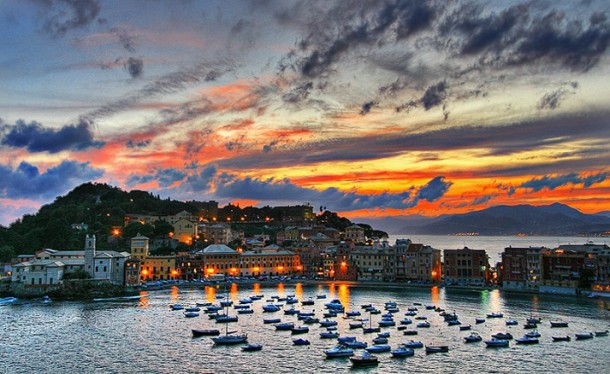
{"type": "Point", "coordinates": [135, 67]}
{"type": "Point", "coordinates": [432, 191]}
{"type": "Point", "coordinates": [366, 107]}
{"type": "Point", "coordinates": [553, 182]}
{"type": "Point", "coordinates": [170, 83]}
{"type": "Point", "coordinates": [522, 35]}
{"type": "Point", "coordinates": [62, 16]}
{"type": "Point", "coordinates": [434, 95]}
{"type": "Point", "coordinates": [201, 181]}
{"type": "Point", "coordinates": [27, 182]}
{"type": "Point", "coordinates": [36, 138]}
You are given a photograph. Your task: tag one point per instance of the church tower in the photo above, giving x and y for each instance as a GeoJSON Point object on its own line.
{"type": "Point", "coordinates": [90, 255]}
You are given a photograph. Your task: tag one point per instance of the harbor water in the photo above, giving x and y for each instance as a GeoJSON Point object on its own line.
{"type": "Point", "coordinates": [145, 335]}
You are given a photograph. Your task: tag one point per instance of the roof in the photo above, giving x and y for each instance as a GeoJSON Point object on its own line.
{"type": "Point", "coordinates": [218, 248]}
{"type": "Point", "coordinates": [268, 253]}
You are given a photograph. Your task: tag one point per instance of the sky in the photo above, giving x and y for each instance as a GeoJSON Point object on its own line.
{"type": "Point", "coordinates": [365, 108]}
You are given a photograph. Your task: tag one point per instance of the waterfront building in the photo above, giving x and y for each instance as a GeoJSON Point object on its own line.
{"type": "Point", "coordinates": [270, 261]}
{"type": "Point", "coordinates": [152, 267]}
{"type": "Point", "coordinates": [466, 267]}
{"type": "Point", "coordinates": [355, 233]}
{"type": "Point", "coordinates": [342, 267]}
{"type": "Point", "coordinates": [373, 263]}
{"type": "Point", "coordinates": [514, 271]}
{"type": "Point", "coordinates": [219, 233]}
{"type": "Point", "coordinates": [311, 257]}
{"type": "Point", "coordinates": [104, 265]}
{"type": "Point", "coordinates": [417, 262]}
{"type": "Point", "coordinates": [219, 259]}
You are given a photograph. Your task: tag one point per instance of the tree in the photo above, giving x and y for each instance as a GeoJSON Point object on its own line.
{"type": "Point", "coordinates": [7, 252]}
{"type": "Point", "coordinates": [134, 228]}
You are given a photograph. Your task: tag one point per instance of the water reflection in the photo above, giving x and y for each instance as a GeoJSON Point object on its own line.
{"type": "Point", "coordinates": [234, 291]}
{"type": "Point", "coordinates": [434, 295]}
{"type": "Point", "coordinates": [256, 288]}
{"type": "Point", "coordinates": [280, 289]}
{"type": "Point", "coordinates": [174, 292]}
{"type": "Point", "coordinates": [344, 296]}
{"type": "Point", "coordinates": [210, 294]}
{"type": "Point", "coordinates": [298, 291]}
{"type": "Point", "coordinates": [144, 302]}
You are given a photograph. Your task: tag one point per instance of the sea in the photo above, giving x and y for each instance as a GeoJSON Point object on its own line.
{"type": "Point", "coordinates": [144, 334]}
{"type": "Point", "coordinates": [495, 245]}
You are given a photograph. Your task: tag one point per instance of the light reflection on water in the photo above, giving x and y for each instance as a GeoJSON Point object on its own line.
{"type": "Point", "coordinates": [146, 336]}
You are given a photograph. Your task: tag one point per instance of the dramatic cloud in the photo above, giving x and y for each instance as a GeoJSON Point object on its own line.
{"type": "Point", "coordinates": [366, 107]}
{"type": "Point", "coordinates": [27, 182]}
{"type": "Point", "coordinates": [65, 15]}
{"type": "Point", "coordinates": [432, 191]}
{"type": "Point", "coordinates": [551, 183]}
{"type": "Point", "coordinates": [135, 67]}
{"type": "Point", "coordinates": [165, 178]}
{"type": "Point", "coordinates": [434, 95]}
{"type": "Point", "coordinates": [551, 100]}
{"type": "Point", "coordinates": [36, 138]}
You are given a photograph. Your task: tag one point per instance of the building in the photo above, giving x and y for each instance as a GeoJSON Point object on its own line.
{"type": "Point", "coordinates": [514, 271]}
{"type": "Point", "coordinates": [270, 261]}
{"type": "Point", "coordinates": [343, 268]}
{"type": "Point", "coordinates": [466, 267]}
{"type": "Point", "coordinates": [219, 259]}
{"type": "Point", "coordinates": [219, 233]}
{"type": "Point", "coordinates": [152, 268]}
{"type": "Point", "coordinates": [355, 233]}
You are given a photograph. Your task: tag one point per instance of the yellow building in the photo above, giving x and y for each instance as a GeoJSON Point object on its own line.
{"type": "Point", "coordinates": [152, 267]}
{"type": "Point", "coordinates": [270, 262]}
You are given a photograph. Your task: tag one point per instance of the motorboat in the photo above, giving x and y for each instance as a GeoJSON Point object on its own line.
{"type": "Point", "coordinates": [479, 320]}
{"type": "Point", "coordinates": [413, 344]}
{"type": "Point", "coordinates": [584, 336]}
{"type": "Point", "coordinates": [246, 300]}
{"type": "Point", "coordinates": [252, 347]}
{"type": "Point", "coordinates": [271, 308]}
{"type": "Point", "coordinates": [527, 340]}
{"type": "Point", "coordinates": [300, 330]}
{"type": "Point", "coordinates": [178, 307]}
{"type": "Point", "coordinates": [330, 314]}
{"type": "Point", "coordinates": [225, 303]}
{"type": "Point", "coordinates": [353, 314]}
{"type": "Point", "coordinates": [385, 334]}
{"type": "Point", "coordinates": [495, 315]}
{"type": "Point", "coordinates": [321, 296]}
{"type": "Point", "coordinates": [386, 322]}
{"type": "Point", "coordinates": [561, 338]}
{"type": "Point", "coordinates": [380, 340]}
{"type": "Point", "coordinates": [559, 324]}
{"type": "Point", "coordinates": [328, 322]}
{"type": "Point", "coordinates": [311, 320]}
{"type": "Point", "coordinates": [601, 333]}
{"type": "Point", "coordinates": [191, 314]}
{"type": "Point", "coordinates": [334, 304]}
{"type": "Point", "coordinates": [366, 359]}
{"type": "Point", "coordinates": [503, 336]}
{"type": "Point", "coordinates": [210, 332]}
{"type": "Point", "coordinates": [410, 332]}
{"type": "Point", "coordinates": [511, 322]}
{"type": "Point", "coordinates": [497, 343]}
{"type": "Point", "coordinates": [329, 335]}
{"type": "Point", "coordinates": [378, 348]}
{"type": "Point", "coordinates": [454, 322]}
{"type": "Point", "coordinates": [291, 311]}
{"type": "Point", "coordinates": [300, 342]}
{"type": "Point", "coordinates": [533, 334]}
{"type": "Point", "coordinates": [245, 311]}
{"type": "Point", "coordinates": [529, 326]}
{"type": "Point", "coordinates": [465, 327]}
{"type": "Point", "coordinates": [339, 351]}
{"type": "Point", "coordinates": [424, 324]}
{"type": "Point", "coordinates": [229, 339]}
{"type": "Point", "coordinates": [309, 301]}
{"type": "Point", "coordinates": [355, 325]}
{"type": "Point", "coordinates": [534, 320]}
{"type": "Point", "coordinates": [473, 338]}
{"type": "Point", "coordinates": [355, 344]}
{"type": "Point", "coordinates": [284, 326]}
{"type": "Point", "coordinates": [402, 351]}
{"type": "Point", "coordinates": [226, 319]}
{"type": "Point", "coordinates": [406, 321]}
{"type": "Point", "coordinates": [436, 349]}
{"type": "Point", "coordinates": [271, 320]}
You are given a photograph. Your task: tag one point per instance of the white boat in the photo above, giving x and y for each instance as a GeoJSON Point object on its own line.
{"type": "Point", "coordinates": [284, 326]}
{"type": "Point", "coordinates": [584, 336]}
{"type": "Point", "coordinates": [339, 351]}
{"type": "Point", "coordinates": [402, 351]}
{"type": "Point", "coordinates": [270, 308]}
{"type": "Point", "coordinates": [230, 337]}
{"type": "Point", "coordinates": [355, 344]}
{"type": "Point", "coordinates": [413, 344]}
{"type": "Point", "coordinates": [473, 338]}
{"type": "Point", "coordinates": [527, 340]}
{"type": "Point", "coordinates": [334, 304]}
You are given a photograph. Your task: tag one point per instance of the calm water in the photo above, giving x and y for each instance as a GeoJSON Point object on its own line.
{"type": "Point", "coordinates": [145, 336]}
{"type": "Point", "coordinates": [494, 245]}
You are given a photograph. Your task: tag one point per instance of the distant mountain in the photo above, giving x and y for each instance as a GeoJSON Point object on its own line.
{"type": "Point", "coordinates": [396, 224]}
{"type": "Point", "coordinates": [554, 219]}
{"type": "Point", "coordinates": [605, 213]}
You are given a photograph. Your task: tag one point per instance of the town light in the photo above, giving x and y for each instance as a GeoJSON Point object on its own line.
{"type": "Point", "coordinates": [256, 268]}
{"type": "Point", "coordinates": [210, 271]}
{"type": "Point", "coordinates": [144, 272]}
{"type": "Point", "coordinates": [343, 264]}
{"type": "Point", "coordinates": [116, 232]}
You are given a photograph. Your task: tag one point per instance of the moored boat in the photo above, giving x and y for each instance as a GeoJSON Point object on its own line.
{"type": "Point", "coordinates": [436, 349]}
{"type": "Point", "coordinates": [527, 340]}
{"type": "Point", "coordinates": [252, 347]}
{"type": "Point", "coordinates": [210, 332]}
{"type": "Point", "coordinates": [402, 351]}
{"type": "Point", "coordinates": [473, 338]}
{"type": "Point", "coordinates": [493, 343]}
{"type": "Point", "coordinates": [495, 315]}
{"type": "Point", "coordinates": [561, 338]}
{"type": "Point", "coordinates": [559, 324]}
{"type": "Point", "coordinates": [378, 348]}
{"type": "Point", "coordinates": [301, 342]}
{"type": "Point", "coordinates": [300, 330]}
{"type": "Point", "coordinates": [366, 359]}
{"type": "Point", "coordinates": [284, 326]}
{"type": "Point", "coordinates": [601, 333]}
{"type": "Point", "coordinates": [503, 336]}
{"type": "Point", "coordinates": [339, 351]}
{"type": "Point", "coordinates": [584, 336]}
{"type": "Point", "coordinates": [413, 344]}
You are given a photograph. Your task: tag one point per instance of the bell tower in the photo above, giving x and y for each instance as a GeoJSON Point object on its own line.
{"type": "Point", "coordinates": [90, 255]}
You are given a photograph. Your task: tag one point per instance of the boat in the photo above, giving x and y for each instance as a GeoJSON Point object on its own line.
{"type": "Point", "coordinates": [245, 311]}
{"type": "Point", "coordinates": [454, 322]}
{"type": "Point", "coordinates": [353, 314]}
{"type": "Point", "coordinates": [406, 321]}
{"type": "Point", "coordinates": [271, 320]}
{"type": "Point", "coordinates": [334, 304]}
{"type": "Point", "coordinates": [329, 335]}
{"type": "Point", "coordinates": [309, 301]}
{"type": "Point", "coordinates": [291, 300]}
{"type": "Point", "coordinates": [344, 339]}
{"type": "Point", "coordinates": [528, 326]}
{"type": "Point", "coordinates": [212, 308]}
{"type": "Point", "coordinates": [246, 300]}
{"type": "Point", "coordinates": [424, 324]}
{"type": "Point", "coordinates": [465, 328]}
{"type": "Point", "coordinates": [380, 340]}
{"type": "Point", "coordinates": [330, 314]}
{"type": "Point", "coordinates": [339, 351]}
{"type": "Point", "coordinates": [226, 319]}
{"type": "Point", "coordinates": [284, 326]}
{"type": "Point", "coordinates": [210, 332]}
{"type": "Point", "coordinates": [511, 322]}
{"type": "Point", "coordinates": [436, 349]}
{"type": "Point", "coordinates": [300, 342]}
{"type": "Point", "coordinates": [311, 320]}
{"type": "Point", "coordinates": [386, 322]}
{"type": "Point", "coordinates": [300, 330]}
{"type": "Point", "coordinates": [559, 324]}
{"type": "Point", "coordinates": [527, 340]}
{"type": "Point", "coordinates": [252, 347]}
{"type": "Point", "coordinates": [355, 344]}
{"type": "Point", "coordinates": [270, 308]}
{"type": "Point", "coordinates": [495, 315]}
{"type": "Point", "coordinates": [291, 311]}
{"type": "Point", "coordinates": [328, 322]}
{"type": "Point", "coordinates": [473, 338]}
{"type": "Point", "coordinates": [430, 307]}
{"type": "Point", "coordinates": [534, 320]}
{"type": "Point", "coordinates": [177, 307]}
{"type": "Point", "coordinates": [241, 306]}
{"type": "Point", "coordinates": [479, 320]}
{"type": "Point", "coordinates": [378, 348]}
{"type": "Point", "coordinates": [601, 333]}
{"type": "Point", "coordinates": [502, 336]}
{"type": "Point", "coordinates": [331, 328]}
{"type": "Point", "coordinates": [46, 299]}
{"type": "Point", "coordinates": [561, 338]}
{"type": "Point", "coordinates": [410, 332]}
{"type": "Point", "coordinates": [493, 343]}
{"type": "Point", "coordinates": [321, 296]}
{"type": "Point", "coordinates": [584, 336]}
{"type": "Point", "coordinates": [230, 337]}
{"type": "Point", "coordinates": [224, 303]}
{"type": "Point", "coordinates": [366, 359]}
{"type": "Point", "coordinates": [533, 334]}
{"type": "Point", "coordinates": [402, 351]}
{"type": "Point", "coordinates": [366, 306]}
{"type": "Point", "coordinates": [410, 314]}
{"type": "Point", "coordinates": [191, 314]}
{"type": "Point", "coordinates": [384, 334]}
{"type": "Point", "coordinates": [355, 325]}
{"type": "Point", "coordinates": [7, 300]}
{"type": "Point", "coordinates": [413, 344]}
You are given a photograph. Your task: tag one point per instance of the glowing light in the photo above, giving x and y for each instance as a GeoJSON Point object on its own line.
{"type": "Point", "coordinates": [233, 270]}
{"type": "Point", "coordinates": [116, 232]}
{"type": "Point", "coordinates": [174, 273]}
{"type": "Point", "coordinates": [256, 268]}
{"type": "Point", "coordinates": [280, 268]}
{"type": "Point", "coordinates": [210, 271]}
{"type": "Point", "coordinates": [144, 272]}
{"type": "Point", "coordinates": [343, 264]}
